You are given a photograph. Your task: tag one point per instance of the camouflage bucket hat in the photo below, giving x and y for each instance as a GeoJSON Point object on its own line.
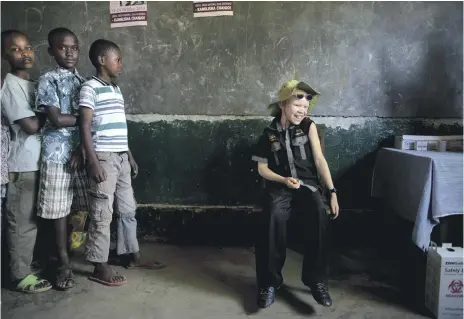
{"type": "Point", "coordinates": [288, 90]}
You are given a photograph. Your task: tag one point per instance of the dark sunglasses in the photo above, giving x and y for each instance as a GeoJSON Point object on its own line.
{"type": "Point", "coordinates": [309, 97]}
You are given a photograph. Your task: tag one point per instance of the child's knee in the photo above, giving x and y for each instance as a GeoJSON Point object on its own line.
{"type": "Point", "coordinates": [101, 209]}
{"type": "Point", "coordinates": [127, 214]}
{"type": "Point", "coordinates": [126, 205]}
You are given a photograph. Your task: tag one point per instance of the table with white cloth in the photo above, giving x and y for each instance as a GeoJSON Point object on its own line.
{"type": "Point", "coordinates": [420, 186]}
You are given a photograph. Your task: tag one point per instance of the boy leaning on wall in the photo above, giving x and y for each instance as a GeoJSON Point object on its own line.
{"type": "Point", "coordinates": [23, 161]}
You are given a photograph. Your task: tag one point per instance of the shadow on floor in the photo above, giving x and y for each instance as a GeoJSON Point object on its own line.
{"type": "Point", "coordinates": [242, 288]}
{"type": "Point", "coordinates": [240, 284]}
{"type": "Point", "coordinates": [300, 307]}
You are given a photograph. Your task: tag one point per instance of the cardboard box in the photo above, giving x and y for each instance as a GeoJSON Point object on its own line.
{"type": "Point", "coordinates": [454, 146]}
{"type": "Point", "coordinates": [444, 281]}
{"type": "Point", "coordinates": [429, 143]}
{"type": "Point", "coordinates": [422, 146]}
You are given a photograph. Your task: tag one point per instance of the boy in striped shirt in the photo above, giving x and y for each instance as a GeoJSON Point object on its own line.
{"type": "Point", "coordinates": [109, 164]}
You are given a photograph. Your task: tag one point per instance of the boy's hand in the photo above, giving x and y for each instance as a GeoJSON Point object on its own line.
{"type": "Point", "coordinates": [134, 167]}
{"type": "Point", "coordinates": [292, 183]}
{"type": "Point", "coordinates": [334, 205]}
{"type": "Point", "coordinates": [96, 172]}
{"type": "Point", "coordinates": [78, 158]}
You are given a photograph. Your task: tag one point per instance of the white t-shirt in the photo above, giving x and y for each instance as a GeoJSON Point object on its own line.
{"type": "Point", "coordinates": [18, 103]}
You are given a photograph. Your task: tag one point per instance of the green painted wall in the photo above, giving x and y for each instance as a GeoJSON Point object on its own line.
{"type": "Point", "coordinates": [207, 162]}
{"type": "Point", "coordinates": [197, 183]}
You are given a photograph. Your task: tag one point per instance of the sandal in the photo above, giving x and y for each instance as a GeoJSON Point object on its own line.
{"type": "Point", "coordinates": [110, 283]}
{"type": "Point", "coordinates": [32, 284]}
{"type": "Point", "coordinates": [64, 278]}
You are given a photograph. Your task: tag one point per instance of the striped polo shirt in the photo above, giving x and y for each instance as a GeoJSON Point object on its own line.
{"type": "Point", "coordinates": [109, 126]}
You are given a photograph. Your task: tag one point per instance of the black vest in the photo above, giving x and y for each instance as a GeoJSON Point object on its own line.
{"type": "Point", "coordinates": [300, 146]}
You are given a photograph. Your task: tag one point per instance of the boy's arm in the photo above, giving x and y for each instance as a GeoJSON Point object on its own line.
{"type": "Point", "coordinates": [323, 168]}
{"type": "Point", "coordinates": [129, 154]}
{"type": "Point", "coordinates": [319, 159]}
{"type": "Point", "coordinates": [268, 174]}
{"type": "Point", "coordinates": [87, 99]}
{"type": "Point", "coordinates": [78, 158]}
{"type": "Point", "coordinates": [133, 164]}
{"type": "Point", "coordinates": [86, 116]}
{"type": "Point", "coordinates": [47, 99]}
{"type": "Point", "coordinates": [17, 110]}
{"type": "Point", "coordinates": [31, 125]}
{"type": "Point", "coordinates": [94, 168]}
{"type": "Point", "coordinates": [60, 120]}
{"type": "Point", "coordinates": [261, 154]}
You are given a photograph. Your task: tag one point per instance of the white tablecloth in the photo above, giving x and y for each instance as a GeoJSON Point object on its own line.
{"type": "Point", "coordinates": [420, 187]}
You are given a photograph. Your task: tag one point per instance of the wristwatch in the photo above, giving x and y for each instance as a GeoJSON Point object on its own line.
{"type": "Point", "coordinates": [333, 190]}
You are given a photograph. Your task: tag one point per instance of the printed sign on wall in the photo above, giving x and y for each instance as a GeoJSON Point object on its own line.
{"type": "Point", "coordinates": [209, 8]}
{"type": "Point", "coordinates": [128, 13]}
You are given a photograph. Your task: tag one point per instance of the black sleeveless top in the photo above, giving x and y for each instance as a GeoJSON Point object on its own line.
{"type": "Point", "coordinates": [272, 148]}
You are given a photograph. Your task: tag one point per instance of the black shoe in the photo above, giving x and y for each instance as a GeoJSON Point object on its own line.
{"type": "Point", "coordinates": [321, 294]}
{"type": "Point", "coordinates": [266, 297]}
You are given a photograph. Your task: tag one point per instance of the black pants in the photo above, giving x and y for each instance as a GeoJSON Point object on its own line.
{"type": "Point", "coordinates": [271, 242]}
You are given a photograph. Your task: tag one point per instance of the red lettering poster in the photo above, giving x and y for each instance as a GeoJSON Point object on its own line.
{"type": "Point", "coordinates": [128, 13]}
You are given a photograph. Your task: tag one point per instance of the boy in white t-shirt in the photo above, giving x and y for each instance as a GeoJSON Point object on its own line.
{"type": "Point", "coordinates": [23, 161]}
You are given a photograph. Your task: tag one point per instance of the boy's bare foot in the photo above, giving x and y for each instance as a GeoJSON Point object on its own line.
{"type": "Point", "coordinates": [105, 275]}
{"type": "Point", "coordinates": [136, 261]}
